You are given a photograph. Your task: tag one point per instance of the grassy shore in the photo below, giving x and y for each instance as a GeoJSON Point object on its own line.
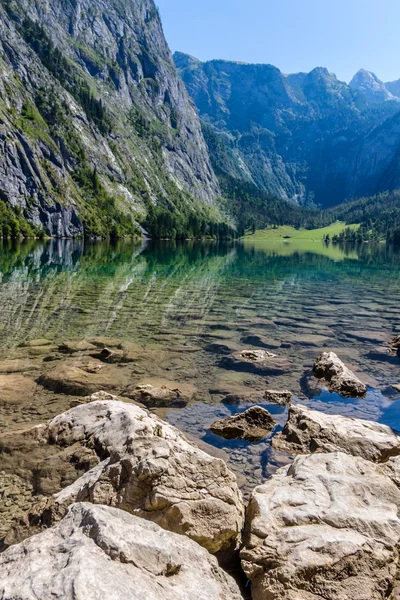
{"type": "Point", "coordinates": [288, 232]}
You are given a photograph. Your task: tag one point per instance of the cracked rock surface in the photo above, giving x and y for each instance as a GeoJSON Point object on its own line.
{"type": "Point", "coordinates": [310, 431]}
{"type": "Point", "coordinates": [100, 552]}
{"type": "Point", "coordinates": [150, 469]}
{"type": "Point", "coordinates": [326, 527]}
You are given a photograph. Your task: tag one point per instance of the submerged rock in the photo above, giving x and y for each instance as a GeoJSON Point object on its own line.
{"type": "Point", "coordinates": [310, 431]}
{"type": "Point", "coordinates": [83, 377]}
{"type": "Point", "coordinates": [260, 362]}
{"type": "Point", "coordinates": [148, 468]}
{"type": "Point", "coordinates": [339, 377]}
{"type": "Point", "coordinates": [252, 425]}
{"type": "Point", "coordinates": [161, 395]}
{"type": "Point", "coordinates": [326, 526]}
{"type": "Point", "coordinates": [102, 552]}
{"type": "Point", "coordinates": [283, 398]}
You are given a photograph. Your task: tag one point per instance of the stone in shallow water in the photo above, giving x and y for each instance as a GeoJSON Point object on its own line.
{"type": "Point", "coordinates": [252, 425]}
{"type": "Point", "coordinates": [310, 431]}
{"type": "Point", "coordinates": [283, 398]}
{"type": "Point", "coordinates": [150, 469]}
{"type": "Point", "coordinates": [103, 552]}
{"type": "Point", "coordinates": [260, 362]}
{"type": "Point", "coordinates": [339, 377]}
{"type": "Point", "coordinates": [325, 527]}
{"type": "Point", "coordinates": [162, 394]}
{"type": "Point", "coordinates": [83, 377]}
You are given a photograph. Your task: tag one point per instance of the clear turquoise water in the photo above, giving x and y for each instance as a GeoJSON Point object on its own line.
{"type": "Point", "coordinates": [194, 301]}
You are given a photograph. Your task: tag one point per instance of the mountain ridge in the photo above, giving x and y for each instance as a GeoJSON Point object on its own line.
{"type": "Point", "coordinates": [306, 137]}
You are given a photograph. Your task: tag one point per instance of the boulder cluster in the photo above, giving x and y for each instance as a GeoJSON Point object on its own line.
{"type": "Point", "coordinates": [156, 517]}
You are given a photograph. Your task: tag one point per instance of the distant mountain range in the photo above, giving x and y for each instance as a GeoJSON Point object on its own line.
{"type": "Point", "coordinates": [306, 137]}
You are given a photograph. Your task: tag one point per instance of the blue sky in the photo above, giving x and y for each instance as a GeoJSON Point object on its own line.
{"type": "Point", "coordinates": [294, 35]}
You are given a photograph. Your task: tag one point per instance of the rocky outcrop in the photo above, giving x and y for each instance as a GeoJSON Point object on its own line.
{"type": "Point", "coordinates": [102, 552]}
{"type": "Point", "coordinates": [326, 526]}
{"type": "Point", "coordinates": [312, 431]}
{"type": "Point", "coordinates": [147, 468]}
{"type": "Point", "coordinates": [338, 377]}
{"type": "Point", "coordinates": [252, 425]}
{"type": "Point", "coordinates": [62, 112]}
{"type": "Point", "coordinates": [283, 398]}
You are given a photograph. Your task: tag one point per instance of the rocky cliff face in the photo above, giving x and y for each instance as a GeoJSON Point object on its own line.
{"type": "Point", "coordinates": [95, 124]}
{"type": "Point", "coordinates": [372, 87]}
{"type": "Point", "coordinates": [305, 137]}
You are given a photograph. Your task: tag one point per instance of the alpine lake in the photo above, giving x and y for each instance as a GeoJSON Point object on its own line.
{"type": "Point", "coordinates": [181, 311]}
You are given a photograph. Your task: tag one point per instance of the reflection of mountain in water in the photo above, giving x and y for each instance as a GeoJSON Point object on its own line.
{"type": "Point", "coordinates": [71, 289]}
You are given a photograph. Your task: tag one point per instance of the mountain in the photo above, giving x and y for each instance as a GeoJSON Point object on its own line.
{"type": "Point", "coordinates": [306, 137]}
{"type": "Point", "coordinates": [96, 127]}
{"type": "Point", "coordinates": [373, 88]}
{"type": "Point", "coordinates": [394, 87]}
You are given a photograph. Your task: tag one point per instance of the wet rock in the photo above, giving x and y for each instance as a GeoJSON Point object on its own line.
{"type": "Point", "coordinates": [165, 394]}
{"type": "Point", "coordinates": [283, 398]}
{"type": "Point", "coordinates": [396, 386]}
{"type": "Point", "coordinates": [15, 389]}
{"type": "Point", "coordinates": [103, 552]}
{"type": "Point", "coordinates": [37, 343]}
{"type": "Point", "coordinates": [338, 377]}
{"type": "Point", "coordinates": [82, 377]}
{"type": "Point", "coordinates": [73, 347]}
{"type": "Point", "coordinates": [395, 344]}
{"type": "Point", "coordinates": [231, 399]}
{"type": "Point", "coordinates": [260, 362]}
{"type": "Point", "coordinates": [114, 356]}
{"type": "Point", "coordinates": [326, 526]}
{"type": "Point", "coordinates": [252, 425]}
{"type": "Point", "coordinates": [260, 341]}
{"type": "Point", "coordinates": [148, 468]}
{"type": "Point", "coordinates": [312, 431]}
{"type": "Point", "coordinates": [18, 365]}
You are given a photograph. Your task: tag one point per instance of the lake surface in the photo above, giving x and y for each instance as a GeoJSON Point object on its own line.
{"type": "Point", "coordinates": [191, 304]}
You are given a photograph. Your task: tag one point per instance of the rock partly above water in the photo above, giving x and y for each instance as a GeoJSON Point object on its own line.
{"type": "Point", "coordinates": [339, 377]}
{"type": "Point", "coordinates": [325, 527]}
{"type": "Point", "coordinates": [310, 431]}
{"type": "Point", "coordinates": [283, 398]}
{"type": "Point", "coordinates": [105, 553]}
{"type": "Point", "coordinates": [150, 469]}
{"type": "Point", "coordinates": [252, 425]}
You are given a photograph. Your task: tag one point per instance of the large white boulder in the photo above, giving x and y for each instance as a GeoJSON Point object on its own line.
{"type": "Point", "coordinates": [326, 527]}
{"type": "Point", "coordinates": [150, 469]}
{"type": "Point", "coordinates": [102, 553]}
{"type": "Point", "coordinates": [310, 430]}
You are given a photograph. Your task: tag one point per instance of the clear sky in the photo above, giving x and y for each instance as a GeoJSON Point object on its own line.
{"type": "Point", "coordinates": [294, 35]}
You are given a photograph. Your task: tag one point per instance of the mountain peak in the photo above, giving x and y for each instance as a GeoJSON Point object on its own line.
{"type": "Point", "coordinates": [371, 86]}
{"type": "Point", "coordinates": [183, 60]}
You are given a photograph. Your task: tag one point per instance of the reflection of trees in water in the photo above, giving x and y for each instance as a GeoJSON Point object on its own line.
{"type": "Point", "coordinates": [66, 288]}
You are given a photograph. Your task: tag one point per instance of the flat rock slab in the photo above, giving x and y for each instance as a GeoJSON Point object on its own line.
{"type": "Point", "coordinates": [83, 377]}
{"type": "Point", "coordinates": [252, 425]}
{"type": "Point", "coordinates": [260, 362]}
{"type": "Point", "coordinates": [16, 389]}
{"type": "Point", "coordinates": [281, 397]}
{"type": "Point", "coordinates": [339, 378]}
{"type": "Point", "coordinates": [326, 527]}
{"type": "Point", "coordinates": [104, 553]}
{"type": "Point", "coordinates": [310, 431]}
{"type": "Point", "coordinates": [150, 469]}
